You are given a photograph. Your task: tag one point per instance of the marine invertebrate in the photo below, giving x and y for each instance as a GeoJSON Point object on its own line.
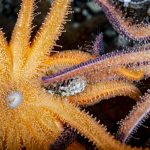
{"type": "Point", "coordinates": [18, 89]}
{"type": "Point", "coordinates": [134, 120]}
{"type": "Point", "coordinates": [30, 117]}
{"type": "Point", "coordinates": [130, 59]}
{"type": "Point", "coordinates": [98, 45]}
{"type": "Point", "coordinates": [67, 136]}
{"type": "Point", "coordinates": [125, 21]}
{"type": "Point", "coordinates": [132, 62]}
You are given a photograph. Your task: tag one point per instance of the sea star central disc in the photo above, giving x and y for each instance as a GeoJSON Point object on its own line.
{"type": "Point", "coordinates": [14, 99]}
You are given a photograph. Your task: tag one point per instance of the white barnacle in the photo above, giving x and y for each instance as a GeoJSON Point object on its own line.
{"type": "Point", "coordinates": [68, 87]}
{"type": "Point", "coordinates": [77, 85]}
{"type": "Point", "coordinates": [14, 99]}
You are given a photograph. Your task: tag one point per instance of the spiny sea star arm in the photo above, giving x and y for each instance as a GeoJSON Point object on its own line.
{"type": "Point", "coordinates": [123, 26]}
{"type": "Point", "coordinates": [83, 123]}
{"type": "Point", "coordinates": [65, 59]}
{"type": "Point", "coordinates": [104, 65]}
{"type": "Point", "coordinates": [47, 36]}
{"type": "Point", "coordinates": [21, 35]}
{"type": "Point", "coordinates": [98, 50]}
{"type": "Point", "coordinates": [130, 74]}
{"type": "Point", "coordinates": [94, 93]}
{"type": "Point", "coordinates": [135, 119]}
{"type": "Point", "coordinates": [67, 141]}
{"type": "Point", "coordinates": [64, 140]}
{"type": "Point", "coordinates": [117, 73]}
{"type": "Point", "coordinates": [5, 56]}
{"type": "Point", "coordinates": [98, 45]}
{"type": "Point", "coordinates": [70, 58]}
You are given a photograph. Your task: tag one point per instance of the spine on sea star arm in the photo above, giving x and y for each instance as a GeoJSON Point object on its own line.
{"type": "Point", "coordinates": [135, 119]}
{"type": "Point", "coordinates": [21, 35]}
{"type": "Point", "coordinates": [47, 36]}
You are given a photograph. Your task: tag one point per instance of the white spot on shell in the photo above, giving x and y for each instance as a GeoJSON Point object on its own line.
{"type": "Point", "coordinates": [14, 99]}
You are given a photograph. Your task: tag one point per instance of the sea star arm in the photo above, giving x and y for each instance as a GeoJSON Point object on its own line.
{"type": "Point", "coordinates": [67, 141]}
{"type": "Point", "coordinates": [83, 123]}
{"type": "Point", "coordinates": [116, 18]}
{"type": "Point", "coordinates": [38, 133]}
{"type": "Point", "coordinates": [98, 50]}
{"type": "Point", "coordinates": [104, 66]}
{"type": "Point", "coordinates": [65, 59]}
{"type": "Point", "coordinates": [5, 56]}
{"type": "Point", "coordinates": [134, 120]}
{"type": "Point", "coordinates": [64, 140]}
{"type": "Point", "coordinates": [118, 73]}
{"type": "Point", "coordinates": [98, 45]}
{"type": "Point", "coordinates": [47, 36]}
{"type": "Point", "coordinates": [21, 34]}
{"type": "Point", "coordinates": [130, 74]}
{"type": "Point", "coordinates": [70, 58]}
{"type": "Point", "coordinates": [94, 93]}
